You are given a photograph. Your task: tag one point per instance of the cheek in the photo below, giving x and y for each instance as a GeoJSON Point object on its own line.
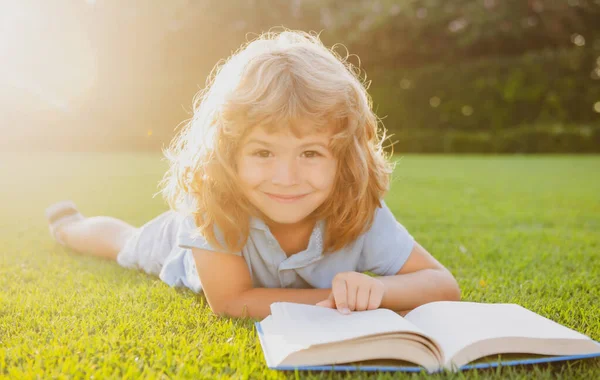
{"type": "Point", "coordinates": [250, 175]}
{"type": "Point", "coordinates": [324, 177]}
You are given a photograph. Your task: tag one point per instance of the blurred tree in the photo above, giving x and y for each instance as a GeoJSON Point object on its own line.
{"type": "Point", "coordinates": [468, 65]}
{"type": "Point", "coordinates": [413, 33]}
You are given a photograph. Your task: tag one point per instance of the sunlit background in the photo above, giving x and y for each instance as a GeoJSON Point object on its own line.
{"type": "Point", "coordinates": [447, 76]}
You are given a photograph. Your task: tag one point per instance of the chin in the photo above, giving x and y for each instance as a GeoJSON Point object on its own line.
{"type": "Point", "coordinates": [285, 219]}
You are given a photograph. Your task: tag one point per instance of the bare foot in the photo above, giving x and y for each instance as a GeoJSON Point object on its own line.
{"type": "Point", "coordinates": [60, 215]}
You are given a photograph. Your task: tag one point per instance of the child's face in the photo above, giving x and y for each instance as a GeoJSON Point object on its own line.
{"type": "Point", "coordinates": [286, 177]}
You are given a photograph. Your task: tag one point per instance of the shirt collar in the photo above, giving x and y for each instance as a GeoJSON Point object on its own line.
{"type": "Point", "coordinates": [258, 224]}
{"type": "Point", "coordinates": [313, 253]}
{"type": "Point", "coordinates": [315, 244]}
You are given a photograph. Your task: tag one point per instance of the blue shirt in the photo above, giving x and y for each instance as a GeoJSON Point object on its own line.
{"type": "Point", "coordinates": [383, 250]}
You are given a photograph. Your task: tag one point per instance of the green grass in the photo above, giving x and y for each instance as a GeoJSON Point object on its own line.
{"type": "Point", "coordinates": [511, 229]}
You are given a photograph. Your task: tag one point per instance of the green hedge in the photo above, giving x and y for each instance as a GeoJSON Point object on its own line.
{"type": "Point", "coordinates": [522, 139]}
{"type": "Point", "coordinates": [494, 94]}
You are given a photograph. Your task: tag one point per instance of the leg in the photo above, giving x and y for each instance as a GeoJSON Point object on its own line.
{"type": "Point", "coordinates": [102, 236]}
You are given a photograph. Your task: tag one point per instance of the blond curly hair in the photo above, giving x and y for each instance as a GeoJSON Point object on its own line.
{"type": "Point", "coordinates": [274, 81]}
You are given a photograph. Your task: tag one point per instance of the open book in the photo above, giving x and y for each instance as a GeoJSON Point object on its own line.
{"type": "Point", "coordinates": [435, 336]}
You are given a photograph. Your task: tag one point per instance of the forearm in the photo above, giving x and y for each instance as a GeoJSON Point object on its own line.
{"type": "Point", "coordinates": [256, 302]}
{"type": "Point", "coordinates": [407, 291]}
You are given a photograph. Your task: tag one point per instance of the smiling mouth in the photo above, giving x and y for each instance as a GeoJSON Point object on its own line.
{"type": "Point", "coordinates": [286, 198]}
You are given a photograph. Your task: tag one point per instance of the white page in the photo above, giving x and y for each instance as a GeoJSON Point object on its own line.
{"type": "Point", "coordinates": [275, 346]}
{"type": "Point", "coordinates": [307, 325]}
{"type": "Point", "coordinates": [456, 325]}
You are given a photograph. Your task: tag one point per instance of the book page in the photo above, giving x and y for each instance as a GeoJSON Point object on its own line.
{"type": "Point", "coordinates": [275, 346]}
{"type": "Point", "coordinates": [307, 325]}
{"type": "Point", "coordinates": [456, 325]}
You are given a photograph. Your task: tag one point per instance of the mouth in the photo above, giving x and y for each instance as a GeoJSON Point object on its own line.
{"type": "Point", "coordinates": [286, 198]}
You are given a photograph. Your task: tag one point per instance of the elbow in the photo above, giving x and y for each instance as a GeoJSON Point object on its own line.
{"type": "Point", "coordinates": [218, 307]}
{"type": "Point", "coordinates": [452, 290]}
{"type": "Point", "coordinates": [219, 311]}
{"type": "Point", "coordinates": [231, 309]}
{"type": "Point", "coordinates": [224, 310]}
{"type": "Point", "coordinates": [453, 294]}
{"type": "Point", "coordinates": [446, 286]}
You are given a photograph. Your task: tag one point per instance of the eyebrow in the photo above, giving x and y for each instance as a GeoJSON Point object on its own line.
{"type": "Point", "coordinates": [261, 142]}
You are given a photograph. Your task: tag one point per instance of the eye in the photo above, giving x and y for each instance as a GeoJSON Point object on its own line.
{"type": "Point", "coordinates": [261, 153]}
{"type": "Point", "coordinates": [311, 154]}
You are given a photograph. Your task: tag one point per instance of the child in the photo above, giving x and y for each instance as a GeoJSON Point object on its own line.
{"type": "Point", "coordinates": [275, 188]}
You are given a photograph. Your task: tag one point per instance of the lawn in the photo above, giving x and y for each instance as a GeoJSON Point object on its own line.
{"type": "Point", "coordinates": [522, 229]}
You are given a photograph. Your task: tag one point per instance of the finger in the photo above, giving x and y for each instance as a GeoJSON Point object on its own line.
{"type": "Point", "coordinates": [362, 298]}
{"type": "Point", "coordinates": [329, 302]}
{"type": "Point", "coordinates": [340, 295]}
{"type": "Point", "coordinates": [375, 297]}
{"type": "Point", "coordinates": [326, 303]}
{"type": "Point", "coordinates": [351, 294]}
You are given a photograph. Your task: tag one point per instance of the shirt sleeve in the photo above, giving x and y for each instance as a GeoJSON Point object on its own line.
{"type": "Point", "coordinates": [189, 237]}
{"type": "Point", "coordinates": [387, 244]}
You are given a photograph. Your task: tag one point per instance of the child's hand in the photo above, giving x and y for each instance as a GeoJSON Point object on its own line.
{"type": "Point", "coordinates": [353, 291]}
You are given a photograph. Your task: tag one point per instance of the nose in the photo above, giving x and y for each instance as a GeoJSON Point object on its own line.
{"type": "Point", "coordinates": [286, 173]}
